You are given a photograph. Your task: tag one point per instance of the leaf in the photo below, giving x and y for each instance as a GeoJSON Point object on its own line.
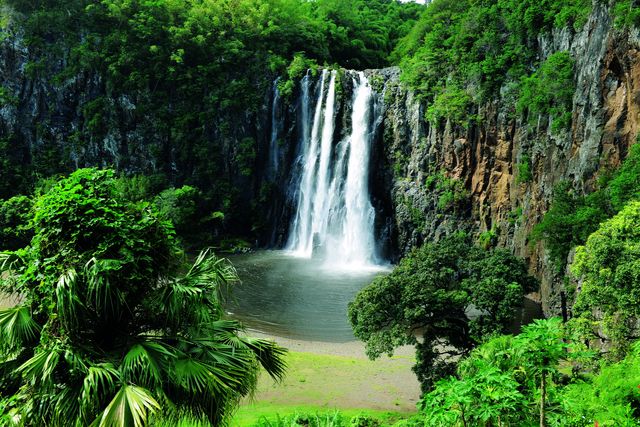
{"type": "Point", "coordinates": [130, 407]}
{"type": "Point", "coordinates": [195, 376]}
{"type": "Point", "coordinates": [17, 326]}
{"type": "Point", "coordinates": [270, 355]}
{"type": "Point", "coordinates": [100, 380]}
{"type": "Point", "coordinates": [41, 366]}
{"type": "Point", "coordinates": [68, 299]}
{"type": "Point", "coordinates": [146, 362]}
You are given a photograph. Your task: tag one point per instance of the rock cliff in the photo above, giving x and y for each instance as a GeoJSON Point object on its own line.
{"type": "Point", "coordinates": [424, 159]}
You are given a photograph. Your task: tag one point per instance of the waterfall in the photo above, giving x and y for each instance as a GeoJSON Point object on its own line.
{"type": "Point", "coordinates": [274, 148]}
{"type": "Point", "coordinates": [334, 216]}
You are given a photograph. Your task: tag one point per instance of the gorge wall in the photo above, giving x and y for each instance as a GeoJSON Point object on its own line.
{"type": "Point", "coordinates": [485, 157]}
{"type": "Point", "coordinates": [426, 179]}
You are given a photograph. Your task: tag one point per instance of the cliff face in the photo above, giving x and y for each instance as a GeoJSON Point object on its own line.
{"type": "Point", "coordinates": [426, 180]}
{"type": "Point", "coordinates": [484, 157]}
{"type": "Point", "coordinates": [53, 120]}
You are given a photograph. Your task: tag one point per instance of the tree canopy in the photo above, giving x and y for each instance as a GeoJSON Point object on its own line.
{"type": "Point", "coordinates": [111, 326]}
{"type": "Point", "coordinates": [608, 266]}
{"type": "Point", "coordinates": [444, 298]}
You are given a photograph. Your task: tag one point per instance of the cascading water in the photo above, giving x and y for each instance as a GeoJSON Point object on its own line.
{"type": "Point", "coordinates": [274, 148]}
{"type": "Point", "coordinates": [322, 209]}
{"type": "Point", "coordinates": [334, 214]}
{"type": "Point", "coordinates": [357, 241]}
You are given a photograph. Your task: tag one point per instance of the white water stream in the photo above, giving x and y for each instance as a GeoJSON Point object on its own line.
{"type": "Point", "coordinates": [334, 217]}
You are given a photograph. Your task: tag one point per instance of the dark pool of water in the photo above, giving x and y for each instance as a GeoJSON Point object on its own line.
{"type": "Point", "coordinates": [307, 299]}
{"type": "Point", "coordinates": [296, 297]}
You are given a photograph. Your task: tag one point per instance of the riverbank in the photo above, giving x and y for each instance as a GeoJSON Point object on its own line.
{"type": "Point", "coordinates": [334, 376]}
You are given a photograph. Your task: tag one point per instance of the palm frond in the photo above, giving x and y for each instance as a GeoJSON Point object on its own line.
{"type": "Point", "coordinates": [40, 367]}
{"type": "Point", "coordinates": [11, 264]}
{"type": "Point", "coordinates": [219, 330]}
{"type": "Point", "coordinates": [105, 297]}
{"type": "Point", "coordinates": [147, 362]}
{"type": "Point", "coordinates": [66, 407]}
{"type": "Point", "coordinates": [131, 406]}
{"type": "Point", "coordinates": [10, 261]}
{"type": "Point", "coordinates": [77, 364]}
{"type": "Point", "coordinates": [195, 376]}
{"type": "Point", "coordinates": [101, 380]}
{"type": "Point", "coordinates": [194, 299]}
{"type": "Point", "coordinates": [269, 354]}
{"type": "Point", "coordinates": [17, 326]}
{"type": "Point", "coordinates": [210, 272]}
{"type": "Point", "coordinates": [68, 298]}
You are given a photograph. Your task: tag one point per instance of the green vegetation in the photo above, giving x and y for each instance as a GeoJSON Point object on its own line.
{"type": "Point", "coordinates": [571, 218]}
{"type": "Point", "coordinates": [499, 380]}
{"type": "Point", "coordinates": [332, 419]}
{"type": "Point", "coordinates": [429, 293]}
{"type": "Point", "coordinates": [523, 380]}
{"type": "Point", "coordinates": [549, 91]}
{"type": "Point", "coordinates": [186, 208]}
{"type": "Point", "coordinates": [523, 170]}
{"type": "Point", "coordinates": [111, 326]}
{"type": "Point", "coordinates": [611, 397]}
{"type": "Point", "coordinates": [15, 223]}
{"type": "Point", "coordinates": [461, 53]}
{"type": "Point", "coordinates": [609, 267]}
{"type": "Point", "coordinates": [627, 13]}
{"type": "Point", "coordinates": [487, 239]}
{"type": "Point", "coordinates": [452, 195]}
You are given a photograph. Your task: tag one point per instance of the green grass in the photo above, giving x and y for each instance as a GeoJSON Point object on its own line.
{"type": "Point", "coordinates": [248, 416]}
{"type": "Point", "coordinates": [318, 384]}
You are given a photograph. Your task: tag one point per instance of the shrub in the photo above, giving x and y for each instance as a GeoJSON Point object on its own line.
{"type": "Point", "coordinates": [15, 222]}
{"type": "Point", "coordinates": [523, 168]}
{"type": "Point", "coordinates": [549, 91]}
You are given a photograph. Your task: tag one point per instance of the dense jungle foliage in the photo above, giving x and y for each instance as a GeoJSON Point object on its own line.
{"type": "Point", "coordinates": [96, 257]}
{"type": "Point", "coordinates": [113, 326]}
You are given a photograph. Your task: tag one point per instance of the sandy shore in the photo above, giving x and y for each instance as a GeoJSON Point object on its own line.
{"type": "Point", "coordinates": [353, 349]}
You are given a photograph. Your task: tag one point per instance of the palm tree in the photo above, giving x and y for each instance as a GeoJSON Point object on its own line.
{"type": "Point", "coordinates": [106, 334]}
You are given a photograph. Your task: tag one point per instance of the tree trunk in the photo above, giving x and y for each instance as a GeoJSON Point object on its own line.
{"type": "Point", "coordinates": [542, 394]}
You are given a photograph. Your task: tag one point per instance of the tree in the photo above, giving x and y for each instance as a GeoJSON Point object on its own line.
{"type": "Point", "coordinates": [544, 348]}
{"type": "Point", "coordinates": [443, 298]}
{"type": "Point", "coordinates": [608, 266]}
{"type": "Point", "coordinates": [106, 334]}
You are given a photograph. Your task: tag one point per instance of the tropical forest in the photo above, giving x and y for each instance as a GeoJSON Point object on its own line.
{"type": "Point", "coordinates": [319, 213]}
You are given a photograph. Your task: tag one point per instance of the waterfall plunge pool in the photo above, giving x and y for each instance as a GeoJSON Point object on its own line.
{"type": "Point", "coordinates": [306, 299]}
{"type": "Point", "coordinates": [296, 297]}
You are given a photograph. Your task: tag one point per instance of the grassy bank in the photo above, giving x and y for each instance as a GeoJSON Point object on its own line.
{"type": "Point", "coordinates": [385, 388]}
